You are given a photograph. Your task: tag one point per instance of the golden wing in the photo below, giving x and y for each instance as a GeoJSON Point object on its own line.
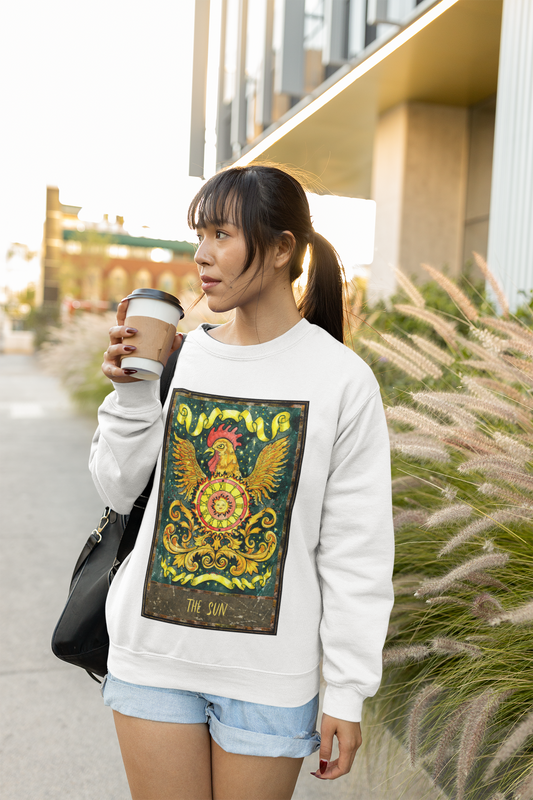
{"type": "Point", "coordinates": [186, 468]}
{"type": "Point", "coordinates": [269, 464]}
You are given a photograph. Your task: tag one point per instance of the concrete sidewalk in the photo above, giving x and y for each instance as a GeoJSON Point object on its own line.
{"type": "Point", "coordinates": [57, 739]}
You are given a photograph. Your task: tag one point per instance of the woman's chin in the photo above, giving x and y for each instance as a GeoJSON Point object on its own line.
{"type": "Point", "coordinates": [218, 306]}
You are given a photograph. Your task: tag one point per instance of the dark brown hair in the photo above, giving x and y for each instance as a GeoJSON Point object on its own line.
{"type": "Point", "coordinates": [264, 201]}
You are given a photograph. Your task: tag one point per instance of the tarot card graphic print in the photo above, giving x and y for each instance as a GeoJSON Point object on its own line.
{"type": "Point", "coordinates": [229, 477]}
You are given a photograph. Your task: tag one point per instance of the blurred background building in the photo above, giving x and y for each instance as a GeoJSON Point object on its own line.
{"type": "Point", "coordinates": [425, 106]}
{"type": "Point", "coordinates": [93, 265]}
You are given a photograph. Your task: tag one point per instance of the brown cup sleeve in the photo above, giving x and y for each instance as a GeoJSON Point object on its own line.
{"type": "Point", "coordinates": [153, 339]}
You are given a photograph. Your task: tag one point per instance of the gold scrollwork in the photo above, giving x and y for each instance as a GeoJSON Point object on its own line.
{"type": "Point", "coordinates": [244, 549]}
{"type": "Point", "coordinates": [190, 578]}
{"type": "Point", "coordinates": [280, 423]}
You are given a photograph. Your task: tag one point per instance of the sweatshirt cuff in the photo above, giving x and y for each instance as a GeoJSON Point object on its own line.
{"type": "Point", "coordinates": [142, 394]}
{"type": "Point", "coordinates": [343, 702]}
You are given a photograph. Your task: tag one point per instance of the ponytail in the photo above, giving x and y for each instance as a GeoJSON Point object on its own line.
{"type": "Point", "coordinates": [322, 302]}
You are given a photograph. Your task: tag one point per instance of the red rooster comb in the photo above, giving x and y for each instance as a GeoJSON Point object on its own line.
{"type": "Point", "coordinates": [224, 433]}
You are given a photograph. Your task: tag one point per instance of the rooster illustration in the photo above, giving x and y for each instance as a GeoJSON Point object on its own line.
{"type": "Point", "coordinates": [222, 498]}
{"type": "Point", "coordinates": [224, 443]}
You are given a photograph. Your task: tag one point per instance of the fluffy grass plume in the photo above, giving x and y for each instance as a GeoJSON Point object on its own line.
{"type": "Point", "coordinates": [512, 744]}
{"type": "Point", "coordinates": [422, 700]}
{"type": "Point", "coordinates": [474, 729]}
{"type": "Point", "coordinates": [459, 297]}
{"type": "Point", "coordinates": [496, 288]}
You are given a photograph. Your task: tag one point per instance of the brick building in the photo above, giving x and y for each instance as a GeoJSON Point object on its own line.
{"type": "Point", "coordinates": [94, 265]}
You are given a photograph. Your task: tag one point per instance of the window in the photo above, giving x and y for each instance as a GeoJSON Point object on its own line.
{"type": "Point", "coordinates": [167, 283]}
{"type": "Point", "coordinates": [143, 279]}
{"type": "Point", "coordinates": [117, 283]}
{"type": "Point", "coordinates": [314, 25]}
{"type": "Point", "coordinates": [118, 251]}
{"type": "Point", "coordinates": [159, 254]}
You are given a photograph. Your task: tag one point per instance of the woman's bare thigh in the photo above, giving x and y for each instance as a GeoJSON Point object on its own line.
{"type": "Point", "coordinates": [236, 777]}
{"type": "Point", "coordinates": [165, 760]}
{"type": "Point", "coordinates": [173, 761]}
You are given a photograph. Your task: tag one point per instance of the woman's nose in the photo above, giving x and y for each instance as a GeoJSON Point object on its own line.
{"type": "Point", "coordinates": [202, 255]}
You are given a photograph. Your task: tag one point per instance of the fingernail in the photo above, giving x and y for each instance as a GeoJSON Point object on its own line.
{"type": "Point", "coordinates": [315, 775]}
{"type": "Point", "coordinates": [123, 299]}
{"type": "Point", "coordinates": [323, 766]}
{"type": "Point", "coordinates": [132, 330]}
{"type": "Point", "coordinates": [129, 347]}
{"type": "Point", "coordinates": [129, 371]}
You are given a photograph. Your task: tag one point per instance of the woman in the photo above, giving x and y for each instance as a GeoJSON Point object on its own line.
{"type": "Point", "coordinates": [268, 534]}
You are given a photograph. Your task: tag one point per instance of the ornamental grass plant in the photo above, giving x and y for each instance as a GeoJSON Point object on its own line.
{"type": "Point", "coordinates": [458, 677]}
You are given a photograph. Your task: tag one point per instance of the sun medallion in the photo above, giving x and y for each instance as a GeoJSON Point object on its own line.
{"type": "Point", "coordinates": [221, 504]}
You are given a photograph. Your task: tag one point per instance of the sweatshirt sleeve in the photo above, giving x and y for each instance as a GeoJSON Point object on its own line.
{"type": "Point", "coordinates": [127, 442]}
{"type": "Point", "coordinates": [355, 560]}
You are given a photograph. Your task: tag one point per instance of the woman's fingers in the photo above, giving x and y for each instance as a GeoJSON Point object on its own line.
{"type": "Point", "coordinates": [112, 367]}
{"type": "Point", "coordinates": [349, 738]}
{"type": "Point", "coordinates": [119, 335]}
{"type": "Point", "coordinates": [327, 732]}
{"type": "Point", "coordinates": [115, 351]}
{"type": "Point", "coordinates": [119, 332]}
{"type": "Point", "coordinates": [115, 372]}
{"type": "Point", "coordinates": [122, 308]}
{"type": "Point", "coordinates": [176, 344]}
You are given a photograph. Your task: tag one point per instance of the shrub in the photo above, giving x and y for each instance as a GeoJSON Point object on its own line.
{"type": "Point", "coordinates": [73, 352]}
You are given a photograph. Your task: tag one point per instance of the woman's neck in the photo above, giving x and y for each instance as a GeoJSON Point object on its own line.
{"type": "Point", "coordinates": [261, 323]}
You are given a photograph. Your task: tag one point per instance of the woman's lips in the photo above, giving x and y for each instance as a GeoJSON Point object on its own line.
{"type": "Point", "coordinates": [208, 283]}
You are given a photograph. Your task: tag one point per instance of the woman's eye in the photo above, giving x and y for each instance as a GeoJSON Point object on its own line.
{"type": "Point", "coordinates": [221, 235]}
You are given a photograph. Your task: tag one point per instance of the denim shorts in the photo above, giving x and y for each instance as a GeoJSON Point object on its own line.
{"type": "Point", "coordinates": [237, 726]}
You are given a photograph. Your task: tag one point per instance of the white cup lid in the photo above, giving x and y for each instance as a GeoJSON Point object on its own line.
{"type": "Point", "coordinates": [156, 294]}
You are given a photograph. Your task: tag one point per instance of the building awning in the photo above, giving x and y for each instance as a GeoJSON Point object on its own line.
{"type": "Point", "coordinates": [448, 53]}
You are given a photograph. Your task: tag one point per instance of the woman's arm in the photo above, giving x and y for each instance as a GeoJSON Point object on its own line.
{"type": "Point", "coordinates": [355, 560]}
{"type": "Point", "coordinates": [126, 443]}
{"type": "Point", "coordinates": [130, 431]}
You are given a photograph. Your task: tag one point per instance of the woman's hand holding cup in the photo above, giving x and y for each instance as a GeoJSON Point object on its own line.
{"type": "Point", "coordinates": [119, 347]}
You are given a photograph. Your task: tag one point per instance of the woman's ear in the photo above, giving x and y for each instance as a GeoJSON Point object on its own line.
{"type": "Point", "coordinates": [285, 249]}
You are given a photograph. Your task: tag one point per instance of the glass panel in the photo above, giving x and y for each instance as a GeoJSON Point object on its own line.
{"type": "Point", "coordinates": [314, 25]}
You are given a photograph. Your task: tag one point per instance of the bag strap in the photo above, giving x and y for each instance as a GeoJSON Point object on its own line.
{"type": "Point", "coordinates": [129, 537]}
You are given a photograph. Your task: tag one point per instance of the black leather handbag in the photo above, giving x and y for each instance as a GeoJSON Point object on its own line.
{"type": "Point", "coordinates": [80, 636]}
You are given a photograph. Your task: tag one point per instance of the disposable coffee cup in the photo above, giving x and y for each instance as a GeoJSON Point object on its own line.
{"type": "Point", "coordinates": [155, 315]}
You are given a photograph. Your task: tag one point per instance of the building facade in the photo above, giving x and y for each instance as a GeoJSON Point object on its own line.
{"type": "Point", "coordinates": [94, 265]}
{"type": "Point", "coordinates": [425, 107]}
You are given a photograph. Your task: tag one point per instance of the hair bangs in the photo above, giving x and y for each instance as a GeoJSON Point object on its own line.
{"type": "Point", "coordinates": [219, 201]}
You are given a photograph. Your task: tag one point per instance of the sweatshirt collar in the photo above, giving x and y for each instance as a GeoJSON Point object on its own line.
{"type": "Point", "coordinates": [252, 351]}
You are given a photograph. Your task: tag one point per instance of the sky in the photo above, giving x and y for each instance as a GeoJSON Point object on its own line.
{"type": "Point", "coordinates": [95, 99]}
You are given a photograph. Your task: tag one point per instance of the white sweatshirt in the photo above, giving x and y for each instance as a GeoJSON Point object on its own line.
{"type": "Point", "coordinates": [268, 533]}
